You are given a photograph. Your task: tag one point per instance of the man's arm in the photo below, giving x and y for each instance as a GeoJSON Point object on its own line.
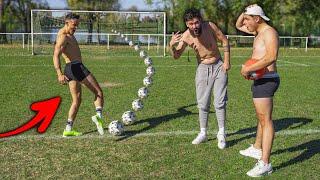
{"type": "Point", "coordinates": [178, 50]}
{"type": "Point", "coordinates": [225, 43]}
{"type": "Point", "coordinates": [241, 27]}
{"type": "Point", "coordinates": [60, 44]}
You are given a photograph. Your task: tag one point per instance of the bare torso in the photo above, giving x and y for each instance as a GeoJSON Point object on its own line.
{"type": "Point", "coordinates": [205, 45]}
{"type": "Point", "coordinates": [259, 50]}
{"type": "Point", "coordinates": [71, 50]}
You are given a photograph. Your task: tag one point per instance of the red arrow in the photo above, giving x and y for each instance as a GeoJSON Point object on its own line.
{"type": "Point", "coordinates": [46, 110]}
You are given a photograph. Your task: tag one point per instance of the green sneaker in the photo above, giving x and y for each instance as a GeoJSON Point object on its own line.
{"type": "Point", "coordinates": [99, 123]}
{"type": "Point", "coordinates": [71, 133]}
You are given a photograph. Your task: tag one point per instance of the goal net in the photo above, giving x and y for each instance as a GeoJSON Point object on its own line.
{"type": "Point", "coordinates": [98, 31]}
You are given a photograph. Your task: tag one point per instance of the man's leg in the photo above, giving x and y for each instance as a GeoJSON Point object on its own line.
{"type": "Point", "coordinates": [91, 83]}
{"type": "Point", "coordinates": [258, 142]}
{"type": "Point", "coordinates": [220, 103]}
{"type": "Point", "coordinates": [255, 150]}
{"type": "Point", "coordinates": [264, 108]}
{"type": "Point", "coordinates": [203, 92]}
{"type": "Point", "coordinates": [75, 91]}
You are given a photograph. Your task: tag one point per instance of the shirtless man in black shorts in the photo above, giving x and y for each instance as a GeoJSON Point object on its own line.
{"type": "Point", "coordinates": [75, 74]}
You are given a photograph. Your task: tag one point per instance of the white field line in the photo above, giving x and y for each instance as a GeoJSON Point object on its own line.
{"type": "Point", "coordinates": [157, 134]}
{"type": "Point", "coordinates": [299, 64]}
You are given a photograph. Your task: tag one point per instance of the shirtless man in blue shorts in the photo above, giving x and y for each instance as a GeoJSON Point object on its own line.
{"type": "Point", "coordinates": [265, 50]}
{"type": "Point", "coordinates": [75, 74]}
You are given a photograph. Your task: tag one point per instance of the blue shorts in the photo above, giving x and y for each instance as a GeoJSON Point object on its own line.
{"type": "Point", "coordinates": [75, 70]}
{"type": "Point", "coordinates": [265, 87]}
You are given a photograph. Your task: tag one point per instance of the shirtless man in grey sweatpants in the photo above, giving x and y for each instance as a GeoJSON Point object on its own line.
{"type": "Point", "coordinates": [211, 72]}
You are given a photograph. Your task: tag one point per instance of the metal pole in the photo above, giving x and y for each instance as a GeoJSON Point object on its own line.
{"type": "Point", "coordinates": [108, 47]}
{"type": "Point", "coordinates": [164, 34]}
{"type": "Point", "coordinates": [148, 42]}
{"type": "Point", "coordinates": [32, 48]}
{"type": "Point", "coordinates": [23, 41]}
{"type": "Point", "coordinates": [306, 44]}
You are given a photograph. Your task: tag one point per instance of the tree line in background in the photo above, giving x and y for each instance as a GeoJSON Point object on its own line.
{"type": "Point", "coordinates": [290, 17]}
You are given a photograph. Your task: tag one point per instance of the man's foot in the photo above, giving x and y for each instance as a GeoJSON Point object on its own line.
{"type": "Point", "coordinates": [71, 133]}
{"type": "Point", "coordinates": [221, 141]}
{"type": "Point", "coordinates": [260, 169]}
{"type": "Point", "coordinates": [252, 152]}
{"type": "Point", "coordinates": [99, 123]}
{"type": "Point", "coordinates": [200, 138]}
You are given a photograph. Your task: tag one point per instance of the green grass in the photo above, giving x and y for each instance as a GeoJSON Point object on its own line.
{"type": "Point", "coordinates": [146, 152]}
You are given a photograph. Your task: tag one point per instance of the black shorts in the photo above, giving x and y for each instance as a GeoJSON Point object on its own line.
{"type": "Point", "coordinates": [75, 70]}
{"type": "Point", "coordinates": [265, 87]}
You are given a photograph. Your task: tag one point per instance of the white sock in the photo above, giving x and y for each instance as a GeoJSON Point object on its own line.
{"type": "Point", "coordinates": [203, 131]}
{"type": "Point", "coordinates": [99, 111]}
{"type": "Point", "coordinates": [69, 125]}
{"type": "Point", "coordinates": [221, 131]}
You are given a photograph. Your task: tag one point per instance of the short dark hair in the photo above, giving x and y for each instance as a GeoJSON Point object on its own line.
{"type": "Point", "coordinates": [72, 16]}
{"type": "Point", "coordinates": [191, 13]}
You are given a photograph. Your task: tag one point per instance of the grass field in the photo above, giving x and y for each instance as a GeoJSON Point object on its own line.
{"type": "Point", "coordinates": [158, 145]}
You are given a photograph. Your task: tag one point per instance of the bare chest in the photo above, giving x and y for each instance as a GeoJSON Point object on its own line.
{"type": "Point", "coordinates": [259, 48]}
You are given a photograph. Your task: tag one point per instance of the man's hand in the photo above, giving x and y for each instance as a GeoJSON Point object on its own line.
{"type": "Point", "coordinates": [226, 67]}
{"type": "Point", "coordinates": [175, 38]}
{"type": "Point", "coordinates": [244, 72]}
{"type": "Point", "coordinates": [62, 79]}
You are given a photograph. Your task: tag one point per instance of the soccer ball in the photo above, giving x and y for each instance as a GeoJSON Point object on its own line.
{"type": "Point", "coordinates": [126, 39]}
{"type": "Point", "coordinates": [147, 81]}
{"type": "Point", "coordinates": [148, 61]}
{"type": "Point", "coordinates": [143, 92]}
{"type": "Point", "coordinates": [150, 71]}
{"type": "Point", "coordinates": [256, 74]}
{"type": "Point", "coordinates": [128, 117]}
{"type": "Point", "coordinates": [116, 128]}
{"type": "Point", "coordinates": [143, 54]}
{"type": "Point", "coordinates": [130, 43]}
{"type": "Point", "coordinates": [137, 105]}
{"type": "Point", "coordinates": [137, 47]}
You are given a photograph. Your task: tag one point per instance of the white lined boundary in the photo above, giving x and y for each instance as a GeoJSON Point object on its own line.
{"type": "Point", "coordinates": [299, 64]}
{"type": "Point", "coordinates": [157, 134]}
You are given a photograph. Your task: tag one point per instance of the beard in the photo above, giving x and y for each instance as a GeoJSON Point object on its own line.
{"type": "Point", "coordinates": [196, 32]}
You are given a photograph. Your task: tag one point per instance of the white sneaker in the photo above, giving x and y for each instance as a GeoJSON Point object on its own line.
{"type": "Point", "coordinates": [252, 152]}
{"type": "Point", "coordinates": [260, 169]}
{"type": "Point", "coordinates": [221, 141]}
{"type": "Point", "coordinates": [200, 139]}
{"type": "Point", "coordinates": [99, 123]}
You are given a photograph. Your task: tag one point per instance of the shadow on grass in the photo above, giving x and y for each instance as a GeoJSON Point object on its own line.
{"type": "Point", "coordinates": [155, 121]}
{"type": "Point", "coordinates": [279, 124]}
{"type": "Point", "coordinates": [307, 150]}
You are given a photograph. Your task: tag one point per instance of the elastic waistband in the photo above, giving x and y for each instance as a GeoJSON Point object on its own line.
{"type": "Point", "coordinates": [271, 75]}
{"type": "Point", "coordinates": [74, 62]}
{"type": "Point", "coordinates": [212, 64]}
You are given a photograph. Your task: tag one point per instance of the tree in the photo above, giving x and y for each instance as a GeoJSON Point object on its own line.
{"type": "Point", "coordinates": [92, 5]}
{"type": "Point", "coordinates": [3, 28]}
{"type": "Point", "coordinates": [21, 11]}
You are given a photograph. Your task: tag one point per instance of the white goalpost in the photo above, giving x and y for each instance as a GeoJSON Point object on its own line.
{"type": "Point", "coordinates": [148, 29]}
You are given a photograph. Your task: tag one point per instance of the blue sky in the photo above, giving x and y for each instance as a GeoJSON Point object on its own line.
{"type": "Point", "coordinates": [125, 4]}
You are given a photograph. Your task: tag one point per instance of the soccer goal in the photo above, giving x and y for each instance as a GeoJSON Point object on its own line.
{"type": "Point", "coordinates": [98, 31]}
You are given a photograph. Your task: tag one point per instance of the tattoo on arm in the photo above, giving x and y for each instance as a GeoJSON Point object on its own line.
{"type": "Point", "coordinates": [226, 48]}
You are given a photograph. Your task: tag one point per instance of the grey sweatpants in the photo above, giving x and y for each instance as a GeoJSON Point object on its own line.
{"type": "Point", "coordinates": [208, 78]}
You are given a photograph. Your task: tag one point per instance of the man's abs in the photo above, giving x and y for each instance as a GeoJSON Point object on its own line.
{"type": "Point", "coordinates": [209, 60]}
